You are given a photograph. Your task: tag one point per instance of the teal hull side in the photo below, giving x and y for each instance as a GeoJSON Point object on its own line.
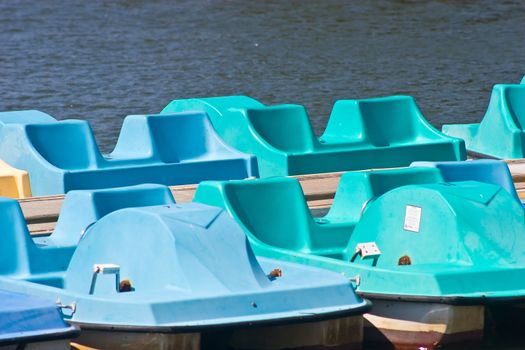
{"type": "Point", "coordinates": [360, 134]}
{"type": "Point", "coordinates": [464, 250]}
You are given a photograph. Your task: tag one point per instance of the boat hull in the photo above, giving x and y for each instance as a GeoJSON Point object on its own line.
{"type": "Point", "coordinates": [334, 334]}
{"type": "Point", "coordinates": [416, 325]}
{"type": "Point", "coordinates": [44, 345]}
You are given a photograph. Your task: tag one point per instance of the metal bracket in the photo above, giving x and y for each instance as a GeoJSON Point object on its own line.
{"type": "Point", "coordinates": [72, 307]}
{"type": "Point", "coordinates": [356, 280]}
{"type": "Point", "coordinates": [367, 250]}
{"type": "Point", "coordinates": [105, 269]}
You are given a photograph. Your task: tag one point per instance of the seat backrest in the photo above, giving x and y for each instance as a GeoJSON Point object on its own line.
{"type": "Point", "coordinates": [381, 121]}
{"type": "Point", "coordinates": [15, 242]}
{"type": "Point", "coordinates": [274, 210]}
{"type": "Point", "coordinates": [357, 189]}
{"type": "Point", "coordinates": [515, 102]}
{"type": "Point", "coordinates": [67, 144]}
{"type": "Point", "coordinates": [490, 171]}
{"type": "Point", "coordinates": [285, 127]}
{"type": "Point", "coordinates": [182, 136]}
{"type": "Point", "coordinates": [82, 208]}
{"type": "Point", "coordinates": [389, 120]}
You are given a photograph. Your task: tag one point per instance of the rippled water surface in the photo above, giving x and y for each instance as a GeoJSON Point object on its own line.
{"type": "Point", "coordinates": [103, 60]}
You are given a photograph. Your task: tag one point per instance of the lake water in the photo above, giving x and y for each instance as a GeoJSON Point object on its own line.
{"type": "Point", "coordinates": [103, 60]}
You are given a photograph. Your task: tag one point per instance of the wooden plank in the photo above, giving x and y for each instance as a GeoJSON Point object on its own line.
{"type": "Point", "coordinates": [41, 213]}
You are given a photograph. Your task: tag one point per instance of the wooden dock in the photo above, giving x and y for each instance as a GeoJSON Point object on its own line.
{"type": "Point", "coordinates": [41, 213]}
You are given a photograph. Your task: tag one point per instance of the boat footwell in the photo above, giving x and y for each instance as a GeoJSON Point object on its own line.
{"type": "Point", "coordinates": [412, 325]}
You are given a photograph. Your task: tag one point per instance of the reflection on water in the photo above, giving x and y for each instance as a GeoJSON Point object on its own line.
{"type": "Point", "coordinates": [103, 60]}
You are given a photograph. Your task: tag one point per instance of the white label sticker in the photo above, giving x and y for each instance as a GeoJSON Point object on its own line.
{"type": "Point", "coordinates": [412, 218]}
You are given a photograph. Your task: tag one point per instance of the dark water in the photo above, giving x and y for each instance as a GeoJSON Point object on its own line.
{"type": "Point", "coordinates": [103, 60]}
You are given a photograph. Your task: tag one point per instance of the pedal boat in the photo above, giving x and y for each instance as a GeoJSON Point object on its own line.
{"type": "Point", "coordinates": [60, 156]}
{"type": "Point", "coordinates": [135, 270]}
{"type": "Point", "coordinates": [381, 132]}
{"type": "Point", "coordinates": [429, 254]}
{"type": "Point", "coordinates": [501, 131]}
{"type": "Point", "coordinates": [33, 323]}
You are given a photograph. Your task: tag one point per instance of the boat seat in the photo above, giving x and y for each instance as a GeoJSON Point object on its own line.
{"type": "Point", "coordinates": [175, 149]}
{"type": "Point", "coordinates": [500, 133]}
{"type": "Point", "coordinates": [278, 217]}
{"type": "Point", "coordinates": [83, 208]}
{"type": "Point", "coordinates": [360, 134]}
{"type": "Point", "coordinates": [19, 255]}
{"type": "Point", "coordinates": [356, 190]}
{"type": "Point", "coordinates": [46, 258]}
{"type": "Point", "coordinates": [274, 123]}
{"type": "Point", "coordinates": [381, 122]}
{"type": "Point", "coordinates": [490, 171]}
{"type": "Point", "coordinates": [67, 145]}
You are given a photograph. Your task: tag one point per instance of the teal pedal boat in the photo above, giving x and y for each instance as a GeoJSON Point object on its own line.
{"type": "Point", "coordinates": [361, 134]}
{"type": "Point", "coordinates": [135, 270]}
{"type": "Point", "coordinates": [500, 133]}
{"type": "Point", "coordinates": [171, 150]}
{"type": "Point", "coordinates": [429, 254]}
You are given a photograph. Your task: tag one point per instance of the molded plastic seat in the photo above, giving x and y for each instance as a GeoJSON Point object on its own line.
{"type": "Point", "coordinates": [501, 131]}
{"type": "Point", "coordinates": [280, 218]}
{"type": "Point", "coordinates": [21, 255]}
{"type": "Point", "coordinates": [360, 134]}
{"type": "Point", "coordinates": [489, 171]}
{"type": "Point", "coordinates": [60, 156]}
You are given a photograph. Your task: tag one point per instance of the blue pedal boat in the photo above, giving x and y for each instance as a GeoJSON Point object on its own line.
{"type": "Point", "coordinates": [135, 270]}
{"type": "Point", "coordinates": [170, 150]}
{"type": "Point", "coordinates": [429, 254]}
{"type": "Point", "coordinates": [491, 171]}
{"type": "Point", "coordinates": [381, 132]}
{"type": "Point", "coordinates": [32, 322]}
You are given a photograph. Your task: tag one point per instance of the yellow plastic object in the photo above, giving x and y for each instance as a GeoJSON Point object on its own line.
{"type": "Point", "coordinates": [14, 182]}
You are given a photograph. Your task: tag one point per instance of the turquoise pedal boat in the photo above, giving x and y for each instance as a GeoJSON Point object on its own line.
{"type": "Point", "coordinates": [500, 133]}
{"type": "Point", "coordinates": [171, 150]}
{"type": "Point", "coordinates": [135, 270]}
{"type": "Point", "coordinates": [429, 254]}
{"type": "Point", "coordinates": [29, 322]}
{"type": "Point", "coordinates": [360, 134]}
